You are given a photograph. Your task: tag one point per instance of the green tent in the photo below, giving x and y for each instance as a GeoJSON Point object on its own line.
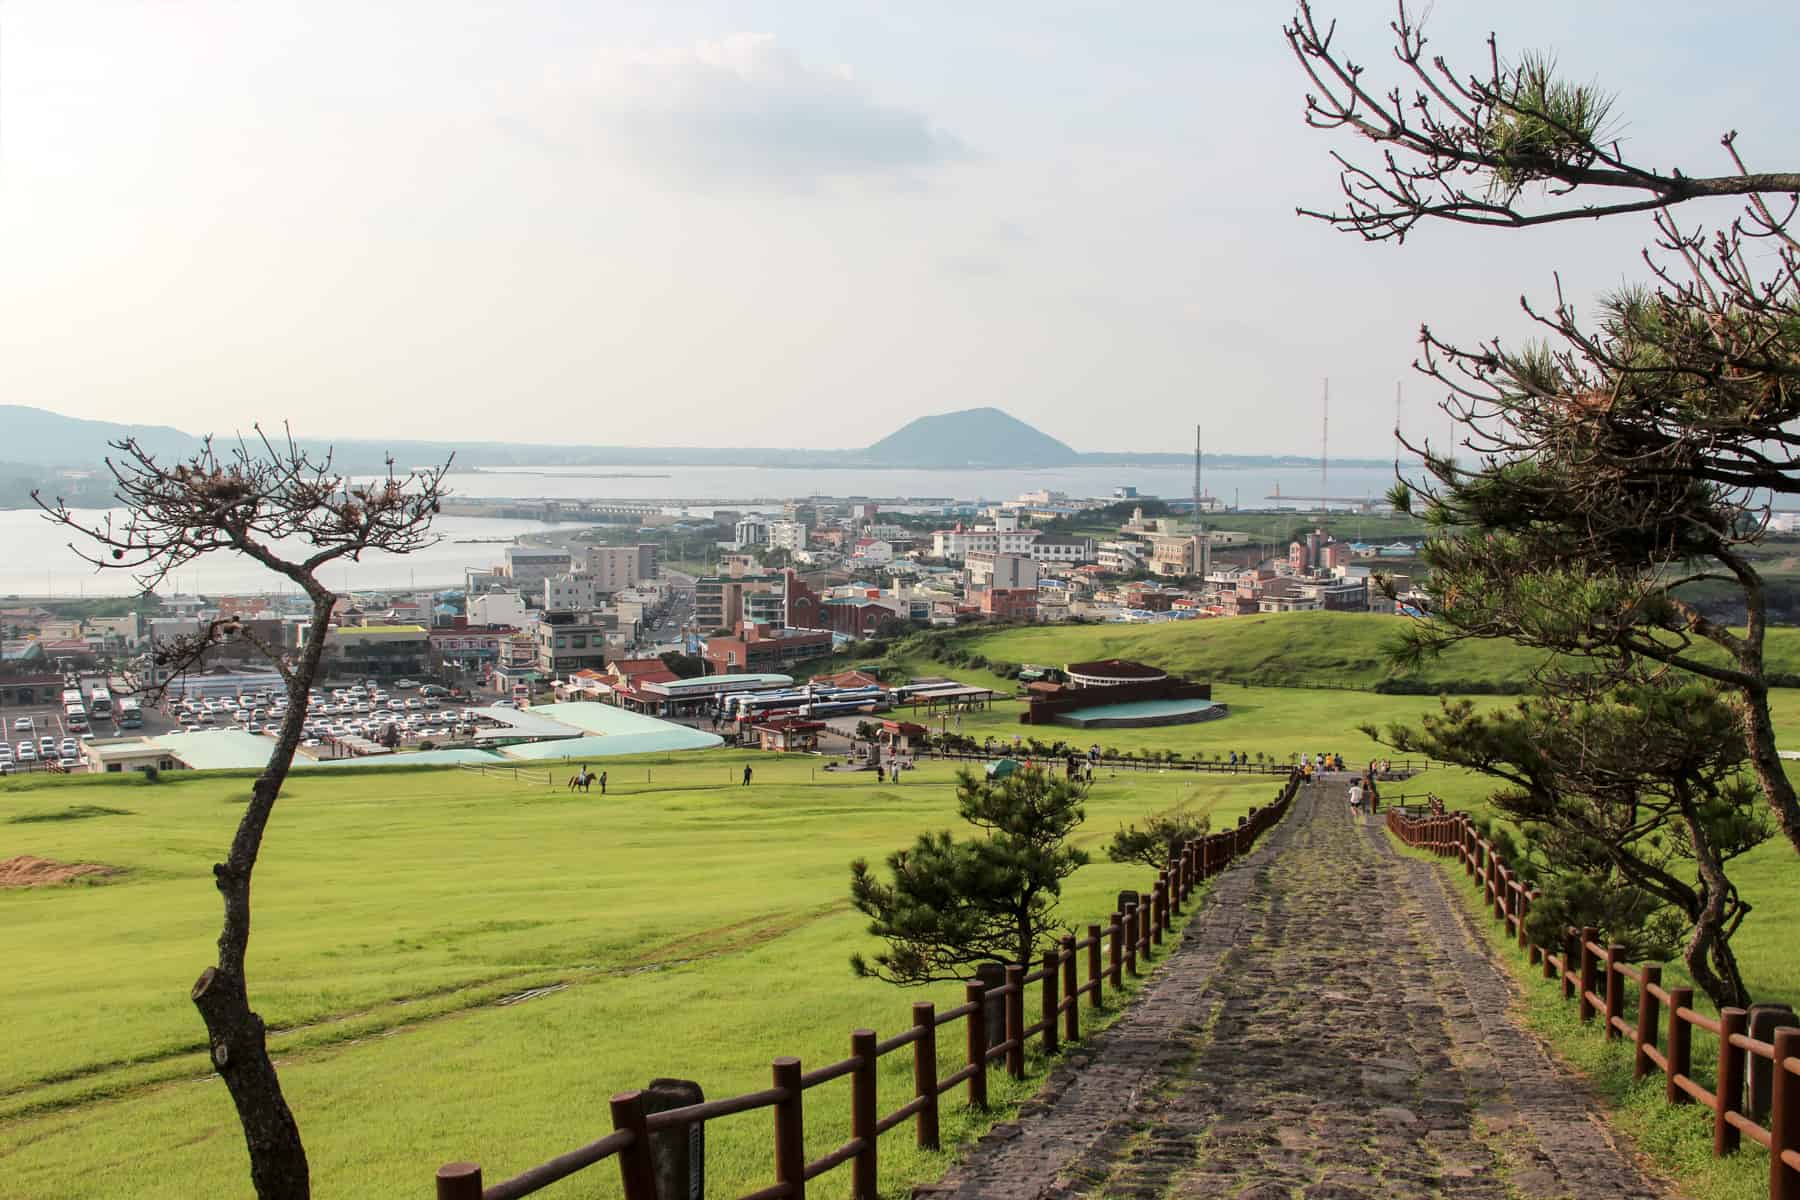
{"type": "Point", "coordinates": [1000, 768]}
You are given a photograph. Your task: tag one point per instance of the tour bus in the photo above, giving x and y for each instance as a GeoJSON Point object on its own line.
{"type": "Point", "coordinates": [100, 703]}
{"type": "Point", "coordinates": [131, 713]}
{"type": "Point", "coordinates": [75, 717]}
{"type": "Point", "coordinates": [72, 696]}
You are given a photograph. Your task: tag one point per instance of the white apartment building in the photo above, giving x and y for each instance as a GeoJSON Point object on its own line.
{"type": "Point", "coordinates": [528, 566]}
{"type": "Point", "coordinates": [954, 545]}
{"type": "Point", "coordinates": [873, 550]}
{"type": "Point", "coordinates": [569, 593]}
{"type": "Point", "coordinates": [1062, 548]}
{"type": "Point", "coordinates": [788, 535]}
{"type": "Point", "coordinates": [1006, 572]}
{"type": "Point", "coordinates": [1120, 557]}
{"type": "Point", "coordinates": [613, 568]}
{"type": "Point", "coordinates": [751, 531]}
{"type": "Point", "coordinates": [497, 608]}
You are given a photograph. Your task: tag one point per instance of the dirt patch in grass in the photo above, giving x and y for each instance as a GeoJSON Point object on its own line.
{"type": "Point", "coordinates": [27, 871]}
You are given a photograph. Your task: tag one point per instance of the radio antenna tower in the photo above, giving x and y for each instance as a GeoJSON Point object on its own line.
{"type": "Point", "coordinates": [1325, 449]}
{"type": "Point", "coordinates": [1396, 428]}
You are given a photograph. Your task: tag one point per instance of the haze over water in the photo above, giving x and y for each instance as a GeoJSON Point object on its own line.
{"type": "Point", "coordinates": [38, 561]}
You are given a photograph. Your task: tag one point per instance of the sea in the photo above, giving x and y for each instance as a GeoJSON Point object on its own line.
{"type": "Point", "coordinates": [36, 559]}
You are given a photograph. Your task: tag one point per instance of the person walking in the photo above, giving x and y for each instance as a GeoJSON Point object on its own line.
{"type": "Point", "coordinates": [746, 774]}
{"type": "Point", "coordinates": [1356, 797]}
{"type": "Point", "coordinates": [603, 783]}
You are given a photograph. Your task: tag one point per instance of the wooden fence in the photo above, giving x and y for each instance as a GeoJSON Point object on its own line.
{"type": "Point", "coordinates": [1398, 766]}
{"type": "Point", "coordinates": [1632, 1003]}
{"type": "Point", "coordinates": [1131, 936]}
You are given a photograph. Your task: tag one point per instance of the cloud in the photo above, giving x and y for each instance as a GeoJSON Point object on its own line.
{"type": "Point", "coordinates": [740, 107]}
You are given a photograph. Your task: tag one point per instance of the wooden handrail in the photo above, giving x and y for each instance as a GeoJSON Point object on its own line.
{"type": "Point", "coordinates": [1135, 932]}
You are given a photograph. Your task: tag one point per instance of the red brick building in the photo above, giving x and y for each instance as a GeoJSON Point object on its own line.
{"type": "Point", "coordinates": [764, 648]}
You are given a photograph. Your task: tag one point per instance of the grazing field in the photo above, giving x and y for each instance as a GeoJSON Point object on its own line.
{"type": "Point", "coordinates": [1305, 650]}
{"type": "Point", "coordinates": [698, 928]}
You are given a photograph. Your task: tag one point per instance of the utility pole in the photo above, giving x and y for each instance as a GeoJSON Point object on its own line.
{"type": "Point", "coordinates": [1325, 450]}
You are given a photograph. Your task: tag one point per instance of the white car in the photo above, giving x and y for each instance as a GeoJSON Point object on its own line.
{"type": "Point", "coordinates": [22, 725]}
{"type": "Point", "coordinates": [27, 752]}
{"type": "Point", "coordinates": [70, 762]}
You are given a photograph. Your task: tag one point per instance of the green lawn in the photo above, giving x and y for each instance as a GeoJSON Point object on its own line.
{"type": "Point", "coordinates": [1311, 650]}
{"type": "Point", "coordinates": [701, 929]}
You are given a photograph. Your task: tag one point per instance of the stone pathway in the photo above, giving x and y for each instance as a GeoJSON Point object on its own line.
{"type": "Point", "coordinates": [1330, 1028]}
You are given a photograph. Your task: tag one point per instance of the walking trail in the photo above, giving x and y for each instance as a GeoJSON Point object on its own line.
{"type": "Point", "coordinates": [1331, 1027]}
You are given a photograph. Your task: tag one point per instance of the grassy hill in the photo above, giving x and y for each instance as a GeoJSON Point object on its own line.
{"type": "Point", "coordinates": [1316, 649]}
{"type": "Point", "coordinates": [694, 928]}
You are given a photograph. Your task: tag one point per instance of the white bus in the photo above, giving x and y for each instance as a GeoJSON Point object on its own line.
{"type": "Point", "coordinates": [72, 697]}
{"type": "Point", "coordinates": [131, 713]}
{"type": "Point", "coordinates": [100, 703]}
{"type": "Point", "coordinates": [75, 717]}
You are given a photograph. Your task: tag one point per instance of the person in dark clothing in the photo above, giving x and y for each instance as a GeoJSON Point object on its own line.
{"type": "Point", "coordinates": [603, 783]}
{"type": "Point", "coordinates": [746, 774]}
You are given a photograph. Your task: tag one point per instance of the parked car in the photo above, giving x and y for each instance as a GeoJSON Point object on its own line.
{"type": "Point", "coordinates": [406, 683]}
{"type": "Point", "coordinates": [22, 725]}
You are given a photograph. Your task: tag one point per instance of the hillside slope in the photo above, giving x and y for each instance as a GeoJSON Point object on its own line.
{"type": "Point", "coordinates": [1292, 649]}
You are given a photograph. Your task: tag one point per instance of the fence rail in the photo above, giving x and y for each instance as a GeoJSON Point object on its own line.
{"type": "Point", "coordinates": [1632, 1003]}
{"type": "Point", "coordinates": [1109, 952]}
{"type": "Point", "coordinates": [1398, 766]}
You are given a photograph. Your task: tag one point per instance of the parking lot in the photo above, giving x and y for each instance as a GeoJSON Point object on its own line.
{"type": "Point", "coordinates": [34, 722]}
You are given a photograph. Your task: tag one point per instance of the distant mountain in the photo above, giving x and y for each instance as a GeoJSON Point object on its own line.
{"type": "Point", "coordinates": [974, 437]}
{"type": "Point", "coordinates": [40, 449]}
{"type": "Point", "coordinates": [33, 435]}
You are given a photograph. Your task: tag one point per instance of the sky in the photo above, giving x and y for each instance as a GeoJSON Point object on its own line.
{"type": "Point", "coordinates": [776, 222]}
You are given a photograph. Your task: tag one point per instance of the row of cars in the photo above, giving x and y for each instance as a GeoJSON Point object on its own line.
{"type": "Point", "coordinates": [46, 750]}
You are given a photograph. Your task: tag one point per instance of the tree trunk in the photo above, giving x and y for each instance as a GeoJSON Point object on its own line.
{"type": "Point", "coordinates": [240, 1054]}
{"type": "Point", "coordinates": [235, 1033]}
{"type": "Point", "coordinates": [1707, 954]}
{"type": "Point", "coordinates": [1759, 737]}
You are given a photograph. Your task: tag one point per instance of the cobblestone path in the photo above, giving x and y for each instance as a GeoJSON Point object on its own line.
{"type": "Point", "coordinates": [1330, 1028]}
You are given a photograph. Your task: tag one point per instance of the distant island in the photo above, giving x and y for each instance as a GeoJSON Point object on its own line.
{"type": "Point", "coordinates": [63, 455]}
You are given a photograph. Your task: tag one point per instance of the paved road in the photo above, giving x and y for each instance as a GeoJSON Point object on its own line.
{"type": "Point", "coordinates": [1330, 1029]}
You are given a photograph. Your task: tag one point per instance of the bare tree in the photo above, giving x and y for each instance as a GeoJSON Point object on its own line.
{"type": "Point", "coordinates": [280, 506]}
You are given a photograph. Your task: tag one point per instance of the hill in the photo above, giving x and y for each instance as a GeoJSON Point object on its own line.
{"type": "Point", "coordinates": [973, 437]}
{"type": "Point", "coordinates": [1318, 649]}
{"type": "Point", "coordinates": [46, 439]}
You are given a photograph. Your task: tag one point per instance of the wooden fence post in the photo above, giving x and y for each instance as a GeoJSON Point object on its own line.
{"type": "Point", "coordinates": [790, 1128]}
{"type": "Point", "coordinates": [1784, 1118]}
{"type": "Point", "coordinates": [865, 1168]}
{"type": "Point", "coordinates": [925, 1076]}
{"type": "Point", "coordinates": [1646, 1019]}
{"type": "Point", "coordinates": [1570, 957]}
{"type": "Point", "coordinates": [1115, 950]}
{"type": "Point", "coordinates": [1615, 988]}
{"type": "Point", "coordinates": [1159, 907]}
{"type": "Point", "coordinates": [1521, 910]}
{"type": "Point", "coordinates": [1590, 972]}
{"type": "Point", "coordinates": [1175, 892]}
{"type": "Point", "coordinates": [1131, 937]}
{"type": "Point", "coordinates": [637, 1172]}
{"type": "Point", "coordinates": [1071, 991]}
{"type": "Point", "coordinates": [462, 1180]}
{"type": "Point", "coordinates": [1093, 955]}
{"type": "Point", "coordinates": [975, 992]}
{"type": "Point", "coordinates": [1145, 907]}
{"type": "Point", "coordinates": [1015, 1020]}
{"type": "Point", "coordinates": [1732, 1021]}
{"type": "Point", "coordinates": [1052, 999]}
{"type": "Point", "coordinates": [1680, 1044]}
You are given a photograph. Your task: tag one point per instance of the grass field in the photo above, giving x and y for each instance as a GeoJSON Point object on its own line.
{"type": "Point", "coordinates": [701, 929]}
{"type": "Point", "coordinates": [1313, 650]}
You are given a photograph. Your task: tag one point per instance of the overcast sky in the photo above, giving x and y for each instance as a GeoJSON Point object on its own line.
{"type": "Point", "coordinates": [775, 223]}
